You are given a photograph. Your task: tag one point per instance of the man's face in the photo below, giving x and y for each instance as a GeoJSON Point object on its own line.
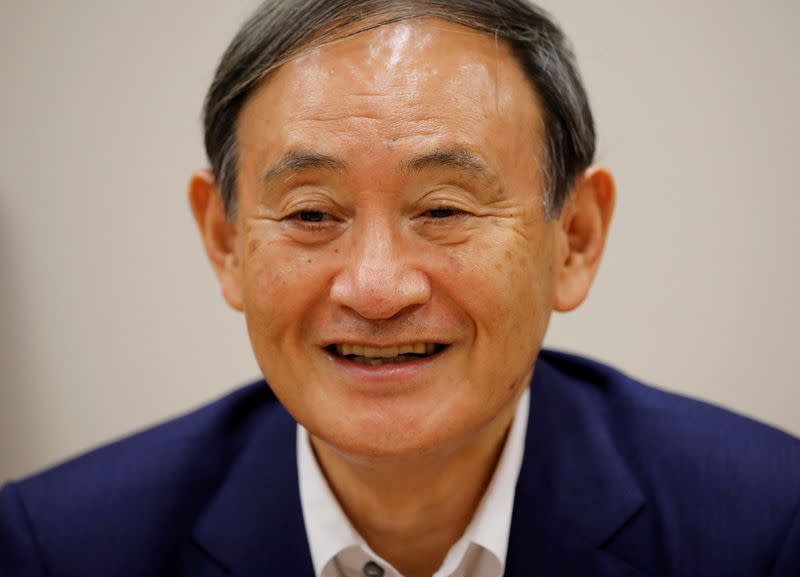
{"type": "Point", "coordinates": [393, 260]}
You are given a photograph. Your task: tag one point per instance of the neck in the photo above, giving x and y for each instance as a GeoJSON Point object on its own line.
{"type": "Point", "coordinates": [411, 510]}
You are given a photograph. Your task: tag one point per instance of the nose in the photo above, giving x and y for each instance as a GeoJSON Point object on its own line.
{"type": "Point", "coordinates": [380, 279]}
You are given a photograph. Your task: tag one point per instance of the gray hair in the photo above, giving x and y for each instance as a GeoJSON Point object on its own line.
{"type": "Point", "coordinates": [279, 29]}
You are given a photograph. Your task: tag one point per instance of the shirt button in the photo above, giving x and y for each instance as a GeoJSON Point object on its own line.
{"type": "Point", "coordinates": [372, 569]}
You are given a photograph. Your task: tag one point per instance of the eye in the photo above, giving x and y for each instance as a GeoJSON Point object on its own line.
{"type": "Point", "coordinates": [310, 216]}
{"type": "Point", "coordinates": [442, 212]}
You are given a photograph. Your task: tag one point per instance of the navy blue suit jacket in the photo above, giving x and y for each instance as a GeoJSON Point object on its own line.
{"type": "Point", "coordinates": [618, 480]}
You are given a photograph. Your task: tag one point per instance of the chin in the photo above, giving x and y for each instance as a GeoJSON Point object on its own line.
{"type": "Point", "coordinates": [390, 431]}
{"type": "Point", "coordinates": [395, 448]}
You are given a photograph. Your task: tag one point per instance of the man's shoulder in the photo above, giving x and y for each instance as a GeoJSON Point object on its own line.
{"type": "Point", "coordinates": [705, 477]}
{"type": "Point", "coordinates": [626, 402]}
{"type": "Point", "coordinates": [203, 440]}
{"type": "Point", "coordinates": [653, 427]}
{"type": "Point", "coordinates": [160, 478]}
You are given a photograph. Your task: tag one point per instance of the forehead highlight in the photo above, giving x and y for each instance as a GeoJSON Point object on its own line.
{"type": "Point", "coordinates": [401, 59]}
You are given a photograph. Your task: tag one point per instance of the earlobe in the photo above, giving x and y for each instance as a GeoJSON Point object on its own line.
{"type": "Point", "coordinates": [218, 234]}
{"type": "Point", "coordinates": [584, 226]}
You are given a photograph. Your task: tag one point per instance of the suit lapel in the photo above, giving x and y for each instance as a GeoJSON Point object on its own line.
{"type": "Point", "coordinates": [254, 526]}
{"type": "Point", "coordinates": [574, 491]}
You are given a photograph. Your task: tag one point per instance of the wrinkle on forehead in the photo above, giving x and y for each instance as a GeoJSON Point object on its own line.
{"type": "Point", "coordinates": [409, 84]}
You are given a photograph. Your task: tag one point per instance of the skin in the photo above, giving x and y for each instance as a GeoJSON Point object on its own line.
{"type": "Point", "coordinates": [390, 192]}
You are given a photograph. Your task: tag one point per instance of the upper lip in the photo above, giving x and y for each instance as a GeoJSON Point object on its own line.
{"type": "Point", "coordinates": [383, 344]}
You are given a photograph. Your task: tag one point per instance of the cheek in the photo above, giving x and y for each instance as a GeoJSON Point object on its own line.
{"type": "Point", "coordinates": [505, 287]}
{"type": "Point", "coordinates": [272, 272]}
{"type": "Point", "coordinates": [501, 269]}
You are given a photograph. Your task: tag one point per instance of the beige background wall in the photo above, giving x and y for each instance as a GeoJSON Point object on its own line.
{"type": "Point", "coordinates": [110, 319]}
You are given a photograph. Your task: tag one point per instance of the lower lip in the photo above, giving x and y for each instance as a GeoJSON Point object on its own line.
{"type": "Point", "coordinates": [392, 373]}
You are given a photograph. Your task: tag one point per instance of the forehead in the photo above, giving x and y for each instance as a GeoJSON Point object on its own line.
{"type": "Point", "coordinates": [426, 79]}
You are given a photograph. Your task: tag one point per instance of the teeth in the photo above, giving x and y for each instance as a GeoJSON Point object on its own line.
{"type": "Point", "coordinates": [385, 352]}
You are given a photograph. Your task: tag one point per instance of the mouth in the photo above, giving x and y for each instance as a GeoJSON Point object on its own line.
{"type": "Point", "coordinates": [379, 356]}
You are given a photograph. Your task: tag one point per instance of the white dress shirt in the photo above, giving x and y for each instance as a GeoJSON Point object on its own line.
{"type": "Point", "coordinates": [337, 550]}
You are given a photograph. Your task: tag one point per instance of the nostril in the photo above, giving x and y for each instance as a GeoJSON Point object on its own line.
{"type": "Point", "coordinates": [380, 289]}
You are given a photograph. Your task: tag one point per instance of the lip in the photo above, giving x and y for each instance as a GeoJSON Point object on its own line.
{"type": "Point", "coordinates": [383, 344]}
{"type": "Point", "coordinates": [396, 376]}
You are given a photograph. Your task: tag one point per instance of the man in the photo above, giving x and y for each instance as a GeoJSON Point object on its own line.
{"type": "Point", "coordinates": [401, 194]}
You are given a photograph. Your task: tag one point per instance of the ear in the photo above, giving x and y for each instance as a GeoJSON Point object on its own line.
{"type": "Point", "coordinates": [218, 233]}
{"type": "Point", "coordinates": [584, 225]}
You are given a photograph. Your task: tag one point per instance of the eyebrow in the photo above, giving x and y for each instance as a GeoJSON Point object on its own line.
{"type": "Point", "coordinates": [295, 161]}
{"type": "Point", "coordinates": [458, 158]}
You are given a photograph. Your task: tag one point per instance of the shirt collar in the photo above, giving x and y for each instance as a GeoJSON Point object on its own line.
{"type": "Point", "coordinates": [327, 528]}
{"type": "Point", "coordinates": [329, 532]}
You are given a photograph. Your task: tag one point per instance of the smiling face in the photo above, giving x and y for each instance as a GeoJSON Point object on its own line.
{"type": "Point", "coordinates": [390, 250]}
